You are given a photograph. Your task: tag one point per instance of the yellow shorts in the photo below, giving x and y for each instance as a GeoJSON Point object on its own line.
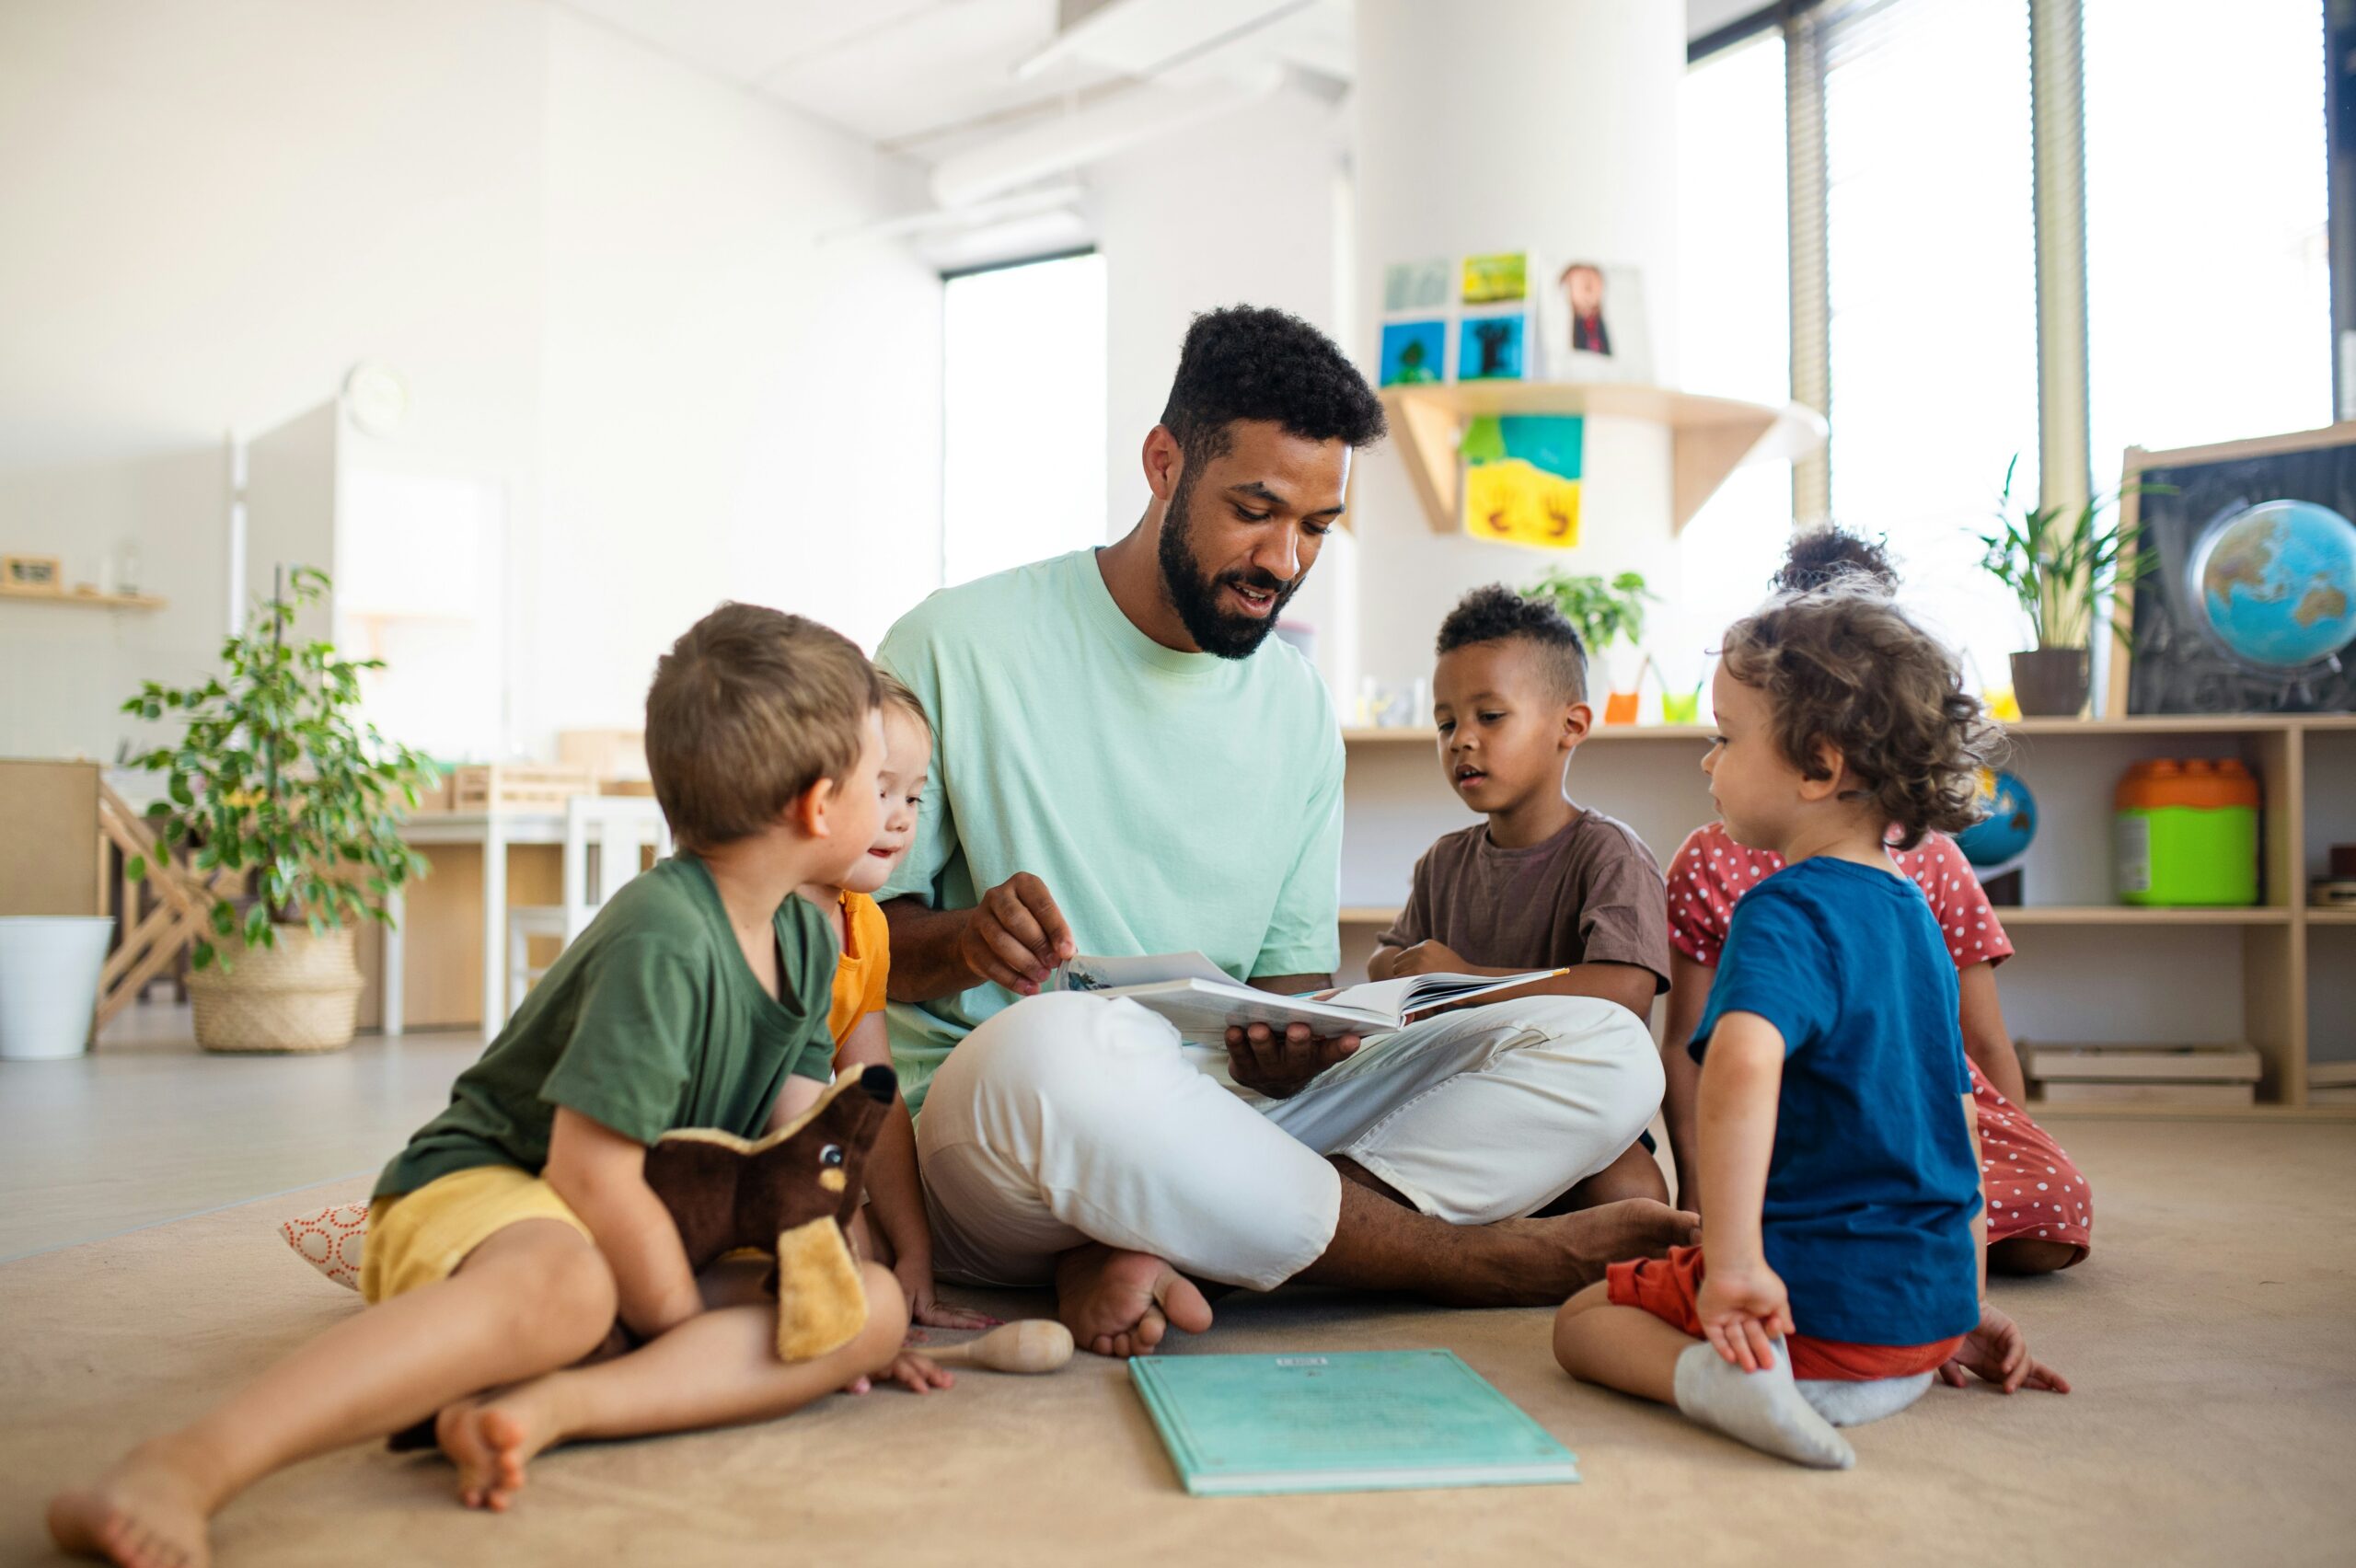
{"type": "Point", "coordinates": [418, 1237]}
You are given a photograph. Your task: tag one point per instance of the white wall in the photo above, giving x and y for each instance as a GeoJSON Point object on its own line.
{"type": "Point", "coordinates": [731, 409]}
{"type": "Point", "coordinates": [594, 268]}
{"type": "Point", "coordinates": [212, 210]}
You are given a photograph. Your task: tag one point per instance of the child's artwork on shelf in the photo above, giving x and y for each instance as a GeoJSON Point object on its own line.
{"type": "Point", "coordinates": [1521, 478]}
{"type": "Point", "coordinates": [1592, 325]}
{"type": "Point", "coordinates": [1502, 278]}
{"type": "Point", "coordinates": [2250, 605]}
{"type": "Point", "coordinates": [1413, 352]}
{"type": "Point", "coordinates": [1416, 285]}
{"type": "Point", "coordinates": [1493, 348]}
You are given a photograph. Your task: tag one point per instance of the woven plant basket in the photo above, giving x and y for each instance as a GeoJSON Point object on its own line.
{"type": "Point", "coordinates": [302, 995]}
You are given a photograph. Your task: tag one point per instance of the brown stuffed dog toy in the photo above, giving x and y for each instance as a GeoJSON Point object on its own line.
{"type": "Point", "coordinates": [790, 1196]}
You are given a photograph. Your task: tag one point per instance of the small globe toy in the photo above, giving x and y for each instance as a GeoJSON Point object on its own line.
{"type": "Point", "coordinates": [2002, 835]}
{"type": "Point", "coordinates": [2276, 582]}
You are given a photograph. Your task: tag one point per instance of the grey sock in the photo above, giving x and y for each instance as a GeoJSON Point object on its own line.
{"type": "Point", "coordinates": [1854, 1404]}
{"type": "Point", "coordinates": [1762, 1409]}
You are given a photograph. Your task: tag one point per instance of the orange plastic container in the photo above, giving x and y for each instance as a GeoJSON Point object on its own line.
{"type": "Point", "coordinates": [2186, 833]}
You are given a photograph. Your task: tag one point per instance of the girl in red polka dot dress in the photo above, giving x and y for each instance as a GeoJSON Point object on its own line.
{"type": "Point", "coordinates": [2040, 1210]}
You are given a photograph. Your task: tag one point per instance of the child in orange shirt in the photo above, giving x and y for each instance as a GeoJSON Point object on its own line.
{"type": "Point", "coordinates": [892, 1228]}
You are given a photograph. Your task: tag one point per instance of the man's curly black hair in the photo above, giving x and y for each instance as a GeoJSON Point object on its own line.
{"type": "Point", "coordinates": [1251, 362]}
{"type": "Point", "coordinates": [1819, 556]}
{"type": "Point", "coordinates": [1497, 614]}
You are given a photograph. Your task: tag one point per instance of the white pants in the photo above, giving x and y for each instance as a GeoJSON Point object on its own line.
{"type": "Point", "coordinates": [1068, 1118]}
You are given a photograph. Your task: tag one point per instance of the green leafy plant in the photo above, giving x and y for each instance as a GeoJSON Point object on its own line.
{"type": "Point", "coordinates": [1603, 612]}
{"type": "Point", "coordinates": [276, 775]}
{"type": "Point", "coordinates": [2064, 565]}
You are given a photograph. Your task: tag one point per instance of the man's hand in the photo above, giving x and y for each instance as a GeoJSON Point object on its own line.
{"type": "Point", "coordinates": [1997, 1351]}
{"type": "Point", "coordinates": [1015, 935]}
{"type": "Point", "coordinates": [1741, 1310]}
{"type": "Point", "coordinates": [1427, 958]}
{"type": "Point", "coordinates": [1281, 1065]}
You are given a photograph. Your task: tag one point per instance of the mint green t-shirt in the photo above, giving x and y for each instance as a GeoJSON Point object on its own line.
{"type": "Point", "coordinates": [651, 1020]}
{"type": "Point", "coordinates": [1171, 801]}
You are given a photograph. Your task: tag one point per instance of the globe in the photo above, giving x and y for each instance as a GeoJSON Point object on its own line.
{"type": "Point", "coordinates": [2278, 583]}
{"type": "Point", "coordinates": [2004, 835]}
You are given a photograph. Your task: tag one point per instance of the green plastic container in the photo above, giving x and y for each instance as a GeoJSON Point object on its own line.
{"type": "Point", "coordinates": [2186, 833]}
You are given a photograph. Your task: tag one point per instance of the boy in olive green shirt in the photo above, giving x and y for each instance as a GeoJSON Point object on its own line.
{"type": "Point", "coordinates": [517, 1226]}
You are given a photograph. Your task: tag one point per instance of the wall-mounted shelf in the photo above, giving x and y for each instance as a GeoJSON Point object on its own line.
{"type": "Point", "coordinates": [84, 601]}
{"type": "Point", "coordinates": [1709, 437]}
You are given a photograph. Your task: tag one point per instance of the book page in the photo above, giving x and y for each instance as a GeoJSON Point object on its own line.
{"type": "Point", "coordinates": [1090, 972]}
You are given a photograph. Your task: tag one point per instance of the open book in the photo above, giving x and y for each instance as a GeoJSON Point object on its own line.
{"type": "Point", "coordinates": [1202, 999]}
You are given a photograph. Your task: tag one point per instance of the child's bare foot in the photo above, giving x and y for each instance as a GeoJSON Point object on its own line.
{"type": "Point", "coordinates": [1122, 1304]}
{"type": "Point", "coordinates": [491, 1441]}
{"type": "Point", "coordinates": [145, 1513]}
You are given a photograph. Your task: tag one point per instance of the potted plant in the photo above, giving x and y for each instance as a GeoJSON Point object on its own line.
{"type": "Point", "coordinates": [1603, 613]}
{"type": "Point", "coordinates": [2064, 565]}
{"type": "Point", "coordinates": [275, 776]}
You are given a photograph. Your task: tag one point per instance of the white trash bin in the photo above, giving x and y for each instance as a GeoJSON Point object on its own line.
{"type": "Point", "coordinates": [48, 983]}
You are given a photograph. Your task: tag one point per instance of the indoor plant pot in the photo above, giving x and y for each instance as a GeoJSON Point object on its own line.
{"type": "Point", "coordinates": [289, 805]}
{"type": "Point", "coordinates": [50, 967]}
{"type": "Point", "coordinates": [300, 992]}
{"type": "Point", "coordinates": [2051, 683]}
{"type": "Point", "coordinates": [2062, 566]}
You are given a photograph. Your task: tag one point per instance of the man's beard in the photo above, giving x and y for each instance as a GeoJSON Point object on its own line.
{"type": "Point", "coordinates": [1195, 596]}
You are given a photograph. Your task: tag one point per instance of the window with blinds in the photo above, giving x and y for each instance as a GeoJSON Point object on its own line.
{"type": "Point", "coordinates": [2208, 293]}
{"type": "Point", "coordinates": [1931, 294]}
{"type": "Point", "coordinates": [1733, 328]}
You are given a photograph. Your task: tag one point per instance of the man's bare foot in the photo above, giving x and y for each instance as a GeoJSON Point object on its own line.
{"type": "Point", "coordinates": [145, 1513]}
{"type": "Point", "coordinates": [491, 1441]}
{"type": "Point", "coordinates": [1121, 1304]}
{"type": "Point", "coordinates": [1538, 1263]}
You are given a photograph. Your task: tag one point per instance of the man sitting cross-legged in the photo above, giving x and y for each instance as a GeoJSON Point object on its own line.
{"type": "Point", "coordinates": [1127, 764]}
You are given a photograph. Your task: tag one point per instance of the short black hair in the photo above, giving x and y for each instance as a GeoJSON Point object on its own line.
{"type": "Point", "coordinates": [1821, 556]}
{"type": "Point", "coordinates": [1248, 362]}
{"type": "Point", "coordinates": [1497, 614]}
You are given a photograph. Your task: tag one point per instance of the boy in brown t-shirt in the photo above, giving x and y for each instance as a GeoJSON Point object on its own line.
{"type": "Point", "coordinates": [1544, 883]}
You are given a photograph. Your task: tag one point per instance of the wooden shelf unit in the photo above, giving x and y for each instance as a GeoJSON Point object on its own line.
{"type": "Point", "coordinates": [2180, 964]}
{"type": "Point", "coordinates": [86, 601]}
{"type": "Point", "coordinates": [1709, 437]}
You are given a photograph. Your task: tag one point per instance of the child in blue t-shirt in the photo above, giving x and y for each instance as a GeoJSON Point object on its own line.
{"type": "Point", "coordinates": [1843, 1264]}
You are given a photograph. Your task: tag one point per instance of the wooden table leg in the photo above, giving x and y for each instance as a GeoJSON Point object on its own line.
{"type": "Point", "coordinates": [393, 974]}
{"type": "Point", "coordinates": [494, 927]}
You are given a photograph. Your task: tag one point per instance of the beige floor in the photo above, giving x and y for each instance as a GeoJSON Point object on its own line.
{"type": "Point", "coordinates": [2212, 1340]}
{"type": "Point", "coordinates": [148, 1128]}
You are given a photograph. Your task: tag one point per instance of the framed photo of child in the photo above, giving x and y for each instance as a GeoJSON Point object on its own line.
{"type": "Point", "coordinates": [1592, 325]}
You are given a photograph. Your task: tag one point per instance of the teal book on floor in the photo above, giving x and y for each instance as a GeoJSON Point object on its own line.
{"type": "Point", "coordinates": [1367, 1421]}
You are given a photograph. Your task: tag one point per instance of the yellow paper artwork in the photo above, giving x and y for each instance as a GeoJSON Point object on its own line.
{"type": "Point", "coordinates": [1513, 501]}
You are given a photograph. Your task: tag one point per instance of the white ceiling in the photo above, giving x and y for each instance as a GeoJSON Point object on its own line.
{"type": "Point", "coordinates": [928, 77]}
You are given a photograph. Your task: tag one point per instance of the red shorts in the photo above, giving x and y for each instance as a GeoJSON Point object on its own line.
{"type": "Point", "coordinates": [1667, 1288]}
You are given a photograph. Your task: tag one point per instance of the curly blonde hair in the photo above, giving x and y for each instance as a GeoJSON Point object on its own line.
{"type": "Point", "coordinates": [1844, 668]}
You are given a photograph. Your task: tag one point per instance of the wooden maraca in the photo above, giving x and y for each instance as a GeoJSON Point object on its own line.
{"type": "Point", "coordinates": [1035, 1344]}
